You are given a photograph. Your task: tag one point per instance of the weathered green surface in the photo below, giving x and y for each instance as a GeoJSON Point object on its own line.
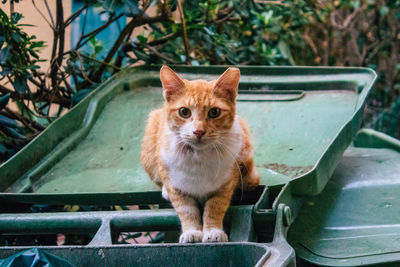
{"type": "Point", "coordinates": [302, 120]}
{"type": "Point", "coordinates": [289, 137]}
{"type": "Point", "coordinates": [108, 160]}
{"type": "Point", "coordinates": [355, 220]}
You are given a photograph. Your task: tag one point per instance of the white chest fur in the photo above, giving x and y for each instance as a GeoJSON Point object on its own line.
{"type": "Point", "coordinates": [200, 173]}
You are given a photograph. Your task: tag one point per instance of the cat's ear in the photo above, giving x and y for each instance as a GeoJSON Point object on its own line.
{"type": "Point", "coordinates": [227, 84]}
{"type": "Point", "coordinates": [172, 84]}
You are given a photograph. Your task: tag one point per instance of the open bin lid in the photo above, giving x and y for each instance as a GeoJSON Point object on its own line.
{"type": "Point", "coordinates": [355, 220]}
{"type": "Point", "coordinates": [302, 119]}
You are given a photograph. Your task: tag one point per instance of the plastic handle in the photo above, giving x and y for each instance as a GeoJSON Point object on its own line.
{"type": "Point", "coordinates": [269, 95]}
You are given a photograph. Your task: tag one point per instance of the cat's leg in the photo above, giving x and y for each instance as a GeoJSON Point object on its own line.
{"type": "Point", "coordinates": [189, 215]}
{"type": "Point", "coordinates": [186, 208]}
{"type": "Point", "coordinates": [164, 193]}
{"type": "Point", "coordinates": [214, 212]}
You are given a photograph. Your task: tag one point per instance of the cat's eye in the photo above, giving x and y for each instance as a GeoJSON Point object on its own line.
{"type": "Point", "coordinates": [185, 113]}
{"type": "Point", "coordinates": [214, 113]}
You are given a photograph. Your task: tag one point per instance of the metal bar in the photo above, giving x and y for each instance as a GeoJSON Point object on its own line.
{"type": "Point", "coordinates": [84, 222]}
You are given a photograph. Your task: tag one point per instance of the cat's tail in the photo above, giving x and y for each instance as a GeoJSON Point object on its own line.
{"type": "Point", "coordinates": [251, 181]}
{"type": "Point", "coordinates": [250, 178]}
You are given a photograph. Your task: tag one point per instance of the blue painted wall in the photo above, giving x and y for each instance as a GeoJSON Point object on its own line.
{"type": "Point", "coordinates": [91, 20]}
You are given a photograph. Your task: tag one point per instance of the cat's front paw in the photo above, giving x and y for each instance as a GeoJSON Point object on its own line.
{"type": "Point", "coordinates": [191, 236]}
{"type": "Point", "coordinates": [214, 235]}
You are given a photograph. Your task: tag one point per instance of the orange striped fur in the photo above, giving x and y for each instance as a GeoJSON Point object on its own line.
{"type": "Point", "coordinates": [198, 150]}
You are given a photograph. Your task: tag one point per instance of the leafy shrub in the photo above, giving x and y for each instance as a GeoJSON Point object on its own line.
{"type": "Point", "coordinates": [18, 61]}
{"type": "Point", "coordinates": [198, 32]}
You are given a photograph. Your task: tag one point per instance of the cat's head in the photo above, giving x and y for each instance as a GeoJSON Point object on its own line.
{"type": "Point", "coordinates": [200, 112]}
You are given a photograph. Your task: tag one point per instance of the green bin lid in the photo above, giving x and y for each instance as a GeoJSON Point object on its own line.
{"type": "Point", "coordinates": [302, 119]}
{"type": "Point", "coordinates": [356, 219]}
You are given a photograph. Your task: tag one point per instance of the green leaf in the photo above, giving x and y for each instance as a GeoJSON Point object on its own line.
{"type": "Point", "coordinates": [92, 41]}
{"type": "Point", "coordinates": [384, 10]}
{"type": "Point", "coordinates": [4, 100]}
{"type": "Point", "coordinates": [4, 54]}
{"type": "Point", "coordinates": [8, 122]}
{"type": "Point", "coordinates": [3, 14]}
{"type": "Point", "coordinates": [20, 85]}
{"type": "Point", "coordinates": [24, 110]}
{"type": "Point", "coordinates": [131, 8]}
{"type": "Point", "coordinates": [33, 67]}
{"type": "Point", "coordinates": [3, 149]}
{"type": "Point", "coordinates": [17, 37]}
{"type": "Point", "coordinates": [11, 132]}
{"type": "Point", "coordinates": [5, 71]}
{"type": "Point", "coordinates": [98, 49]}
{"type": "Point", "coordinates": [141, 55]}
{"type": "Point", "coordinates": [26, 25]}
{"type": "Point", "coordinates": [195, 62]}
{"type": "Point", "coordinates": [78, 96]}
{"type": "Point", "coordinates": [142, 39]}
{"type": "Point", "coordinates": [285, 51]}
{"type": "Point", "coordinates": [15, 17]}
{"type": "Point", "coordinates": [33, 53]}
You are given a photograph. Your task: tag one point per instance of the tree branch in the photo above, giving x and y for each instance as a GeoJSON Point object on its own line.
{"type": "Point", "coordinates": [184, 35]}
{"type": "Point", "coordinates": [58, 36]}
{"type": "Point", "coordinates": [164, 39]}
{"type": "Point", "coordinates": [277, 2]}
{"type": "Point", "coordinates": [135, 22]}
{"type": "Point", "coordinates": [48, 11]}
{"type": "Point", "coordinates": [75, 15]}
{"type": "Point", "coordinates": [95, 32]}
{"type": "Point", "coordinates": [60, 15]}
{"type": "Point", "coordinates": [30, 124]}
{"type": "Point", "coordinates": [5, 90]}
{"type": "Point", "coordinates": [52, 26]}
{"type": "Point", "coordinates": [152, 49]}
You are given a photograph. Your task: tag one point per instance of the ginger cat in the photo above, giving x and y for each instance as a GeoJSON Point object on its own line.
{"type": "Point", "coordinates": [197, 149]}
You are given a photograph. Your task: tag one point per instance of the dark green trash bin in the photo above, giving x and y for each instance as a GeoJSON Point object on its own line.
{"type": "Point", "coordinates": [355, 221]}
{"type": "Point", "coordinates": [302, 121]}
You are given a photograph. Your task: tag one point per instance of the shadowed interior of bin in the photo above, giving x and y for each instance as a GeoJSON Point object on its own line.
{"type": "Point", "coordinates": [174, 255]}
{"type": "Point", "coordinates": [288, 136]}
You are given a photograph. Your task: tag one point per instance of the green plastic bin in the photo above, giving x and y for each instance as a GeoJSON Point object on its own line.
{"type": "Point", "coordinates": [355, 221]}
{"type": "Point", "coordinates": [302, 120]}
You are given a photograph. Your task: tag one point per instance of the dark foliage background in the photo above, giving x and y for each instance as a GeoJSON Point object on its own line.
{"type": "Point", "coordinates": [199, 32]}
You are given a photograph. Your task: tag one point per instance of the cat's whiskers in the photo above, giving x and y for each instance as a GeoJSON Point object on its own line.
{"type": "Point", "coordinates": [219, 160]}
{"type": "Point", "coordinates": [179, 144]}
{"type": "Point", "coordinates": [185, 148]}
{"type": "Point", "coordinates": [229, 152]}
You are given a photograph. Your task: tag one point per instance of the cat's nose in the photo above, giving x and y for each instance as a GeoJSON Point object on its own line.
{"type": "Point", "coordinates": [199, 133]}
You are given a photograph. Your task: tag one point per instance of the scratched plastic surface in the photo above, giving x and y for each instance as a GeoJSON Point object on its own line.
{"type": "Point", "coordinates": [355, 220]}
{"type": "Point", "coordinates": [108, 158]}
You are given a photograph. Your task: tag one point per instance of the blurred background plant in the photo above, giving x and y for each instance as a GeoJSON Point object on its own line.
{"type": "Point", "coordinates": [198, 32]}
